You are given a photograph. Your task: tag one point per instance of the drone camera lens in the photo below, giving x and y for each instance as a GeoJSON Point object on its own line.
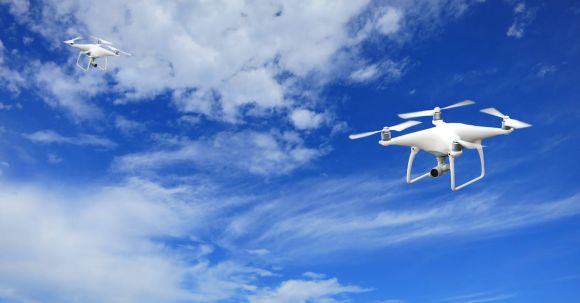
{"type": "Point", "coordinates": [434, 173]}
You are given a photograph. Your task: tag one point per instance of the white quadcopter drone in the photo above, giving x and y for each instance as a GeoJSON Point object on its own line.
{"type": "Point", "coordinates": [445, 140]}
{"type": "Point", "coordinates": [102, 49]}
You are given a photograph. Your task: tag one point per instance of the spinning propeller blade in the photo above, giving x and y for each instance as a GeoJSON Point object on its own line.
{"type": "Point", "coordinates": [459, 104]}
{"type": "Point", "coordinates": [517, 124]}
{"type": "Point", "coordinates": [509, 122]}
{"type": "Point", "coordinates": [492, 111]}
{"type": "Point", "coordinates": [427, 113]}
{"type": "Point", "coordinates": [72, 40]}
{"type": "Point", "coordinates": [398, 128]}
{"type": "Point", "coordinates": [402, 126]}
{"type": "Point", "coordinates": [362, 135]}
{"type": "Point", "coordinates": [102, 41]}
{"type": "Point", "coordinates": [116, 50]}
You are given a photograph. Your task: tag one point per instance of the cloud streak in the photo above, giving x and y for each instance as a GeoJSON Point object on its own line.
{"type": "Point", "coordinates": [326, 216]}
{"type": "Point", "coordinates": [259, 153]}
{"type": "Point", "coordinates": [523, 17]}
{"type": "Point", "coordinates": [52, 137]}
{"type": "Point", "coordinates": [134, 242]}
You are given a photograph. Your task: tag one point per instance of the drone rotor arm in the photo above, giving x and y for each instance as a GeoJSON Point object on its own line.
{"type": "Point", "coordinates": [469, 145]}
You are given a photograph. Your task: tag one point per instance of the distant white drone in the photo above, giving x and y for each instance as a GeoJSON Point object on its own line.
{"type": "Point", "coordinates": [444, 140]}
{"type": "Point", "coordinates": [102, 48]}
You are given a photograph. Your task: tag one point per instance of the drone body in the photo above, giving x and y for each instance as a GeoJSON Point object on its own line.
{"type": "Point", "coordinates": [101, 49]}
{"type": "Point", "coordinates": [445, 140]}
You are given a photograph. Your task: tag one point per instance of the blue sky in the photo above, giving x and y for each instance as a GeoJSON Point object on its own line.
{"type": "Point", "coordinates": [214, 165]}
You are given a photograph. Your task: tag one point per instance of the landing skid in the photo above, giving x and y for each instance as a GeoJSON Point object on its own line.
{"type": "Point", "coordinates": [441, 161]}
{"type": "Point", "coordinates": [90, 62]}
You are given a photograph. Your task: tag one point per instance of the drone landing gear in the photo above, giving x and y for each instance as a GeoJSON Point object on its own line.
{"type": "Point", "coordinates": [91, 62]}
{"type": "Point", "coordinates": [100, 67]}
{"type": "Point", "coordinates": [452, 168]}
{"type": "Point", "coordinates": [414, 152]}
{"type": "Point", "coordinates": [80, 66]}
{"type": "Point", "coordinates": [443, 167]}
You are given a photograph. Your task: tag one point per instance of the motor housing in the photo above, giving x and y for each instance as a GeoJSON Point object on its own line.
{"type": "Point", "coordinates": [385, 134]}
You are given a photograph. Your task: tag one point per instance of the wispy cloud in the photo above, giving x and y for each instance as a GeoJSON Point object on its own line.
{"type": "Point", "coordinates": [385, 71]}
{"type": "Point", "coordinates": [52, 137]}
{"type": "Point", "coordinates": [303, 291]}
{"type": "Point", "coordinates": [10, 78]}
{"type": "Point", "coordinates": [360, 213]}
{"type": "Point", "coordinates": [307, 119]}
{"type": "Point", "coordinates": [523, 17]}
{"type": "Point", "coordinates": [480, 297]}
{"type": "Point", "coordinates": [134, 242]}
{"type": "Point", "coordinates": [260, 153]}
{"type": "Point", "coordinates": [544, 70]}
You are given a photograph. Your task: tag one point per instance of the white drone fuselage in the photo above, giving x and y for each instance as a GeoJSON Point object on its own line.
{"type": "Point", "coordinates": [445, 141]}
{"type": "Point", "coordinates": [101, 49]}
{"type": "Point", "coordinates": [94, 51]}
{"type": "Point", "coordinates": [438, 140]}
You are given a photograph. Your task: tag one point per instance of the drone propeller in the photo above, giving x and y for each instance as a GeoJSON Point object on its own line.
{"type": "Point", "coordinates": [427, 113]}
{"type": "Point", "coordinates": [72, 40]}
{"type": "Point", "coordinates": [507, 121]}
{"type": "Point", "coordinates": [102, 41]}
{"type": "Point", "coordinates": [118, 51]}
{"type": "Point", "coordinates": [398, 128]}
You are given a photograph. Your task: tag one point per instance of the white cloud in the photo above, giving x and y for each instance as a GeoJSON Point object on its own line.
{"type": "Point", "coordinates": [258, 252]}
{"type": "Point", "coordinates": [480, 297]}
{"type": "Point", "coordinates": [365, 73]}
{"type": "Point", "coordinates": [306, 119]}
{"type": "Point", "coordinates": [17, 7]}
{"type": "Point", "coordinates": [70, 92]}
{"type": "Point", "coordinates": [133, 242]}
{"type": "Point", "coordinates": [127, 125]}
{"type": "Point", "coordinates": [389, 22]}
{"type": "Point", "coordinates": [304, 291]}
{"type": "Point", "coordinates": [260, 153]}
{"type": "Point", "coordinates": [229, 54]}
{"type": "Point", "coordinates": [89, 246]}
{"type": "Point", "coordinates": [523, 17]}
{"type": "Point", "coordinates": [388, 71]}
{"type": "Point", "coordinates": [321, 217]}
{"type": "Point", "coordinates": [233, 62]}
{"type": "Point", "coordinates": [54, 159]}
{"type": "Point", "coordinates": [231, 49]}
{"type": "Point", "coordinates": [543, 70]}
{"type": "Point", "coordinates": [189, 120]}
{"type": "Point", "coordinates": [2, 49]}
{"type": "Point", "coordinates": [52, 137]}
{"type": "Point", "coordinates": [9, 78]}
{"type": "Point", "coordinates": [4, 106]}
